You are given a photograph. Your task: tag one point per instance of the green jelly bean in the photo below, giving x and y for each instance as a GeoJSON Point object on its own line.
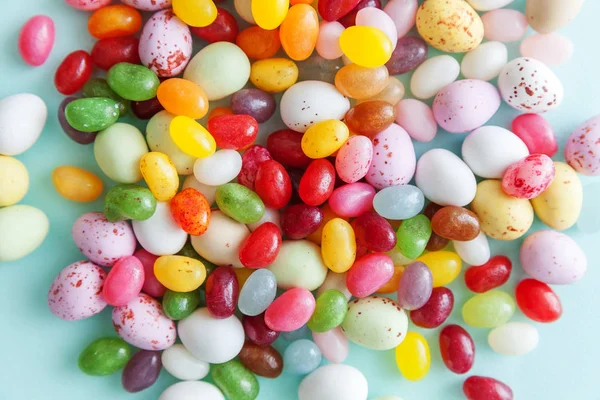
{"type": "Point", "coordinates": [92, 114]}
{"type": "Point", "coordinates": [133, 82]}
{"type": "Point", "coordinates": [189, 251]}
{"type": "Point", "coordinates": [235, 381]}
{"type": "Point", "coordinates": [129, 202]}
{"type": "Point", "coordinates": [240, 203]}
{"type": "Point", "coordinates": [177, 305]}
{"type": "Point", "coordinates": [104, 356]}
{"type": "Point", "coordinates": [98, 87]}
{"type": "Point", "coordinates": [330, 311]}
{"type": "Point", "coordinates": [413, 236]}
{"type": "Point", "coordinates": [488, 310]}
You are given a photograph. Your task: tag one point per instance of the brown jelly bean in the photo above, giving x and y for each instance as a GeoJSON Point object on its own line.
{"type": "Point", "coordinates": [146, 109]}
{"type": "Point", "coordinates": [370, 118]}
{"type": "Point", "coordinates": [456, 223]}
{"type": "Point", "coordinates": [262, 360]}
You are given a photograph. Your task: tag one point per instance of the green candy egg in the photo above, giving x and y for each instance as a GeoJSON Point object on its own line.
{"type": "Point", "coordinates": [98, 87]}
{"type": "Point", "coordinates": [330, 311]}
{"type": "Point", "coordinates": [104, 356]}
{"type": "Point", "coordinates": [413, 236]}
{"type": "Point", "coordinates": [235, 381]}
{"type": "Point", "coordinates": [488, 310]}
{"type": "Point", "coordinates": [129, 202]}
{"type": "Point", "coordinates": [92, 114]}
{"type": "Point", "coordinates": [240, 203]}
{"type": "Point", "coordinates": [133, 82]}
{"type": "Point", "coordinates": [177, 305]}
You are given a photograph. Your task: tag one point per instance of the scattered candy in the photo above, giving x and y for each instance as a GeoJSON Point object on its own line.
{"type": "Point", "coordinates": [36, 40]}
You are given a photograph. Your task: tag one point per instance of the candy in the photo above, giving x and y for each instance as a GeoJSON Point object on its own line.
{"type": "Point", "coordinates": [285, 147]}
{"type": "Point", "coordinates": [221, 242]}
{"type": "Point", "coordinates": [114, 21]}
{"type": "Point", "coordinates": [475, 251]}
{"type": "Point", "coordinates": [413, 236]}
{"type": "Point", "coordinates": [253, 102]}
{"type": "Point", "coordinates": [393, 158]}
{"type": "Point", "coordinates": [299, 31]}
{"type": "Point", "coordinates": [538, 301]}
{"type": "Point", "coordinates": [299, 264]}
{"type": "Point", "coordinates": [444, 265]}
{"type": "Point", "coordinates": [352, 199]}
{"type": "Point", "coordinates": [141, 371]}
{"type": "Point", "coordinates": [300, 220]}
{"type": "Point", "coordinates": [366, 46]}
{"type": "Point", "coordinates": [370, 118]}
{"type": "Point", "coordinates": [329, 312]}
{"type": "Point", "coordinates": [178, 273]}
{"type": "Point", "coordinates": [36, 40]}
{"type": "Point", "coordinates": [373, 232]}
{"type": "Point", "coordinates": [195, 13]}
{"type": "Point", "coordinates": [182, 97]}
{"type": "Point", "coordinates": [360, 82]}
{"type": "Point", "coordinates": [403, 13]}
{"type": "Point", "coordinates": [92, 114]}
{"type": "Point", "coordinates": [412, 357]}
{"type": "Point", "coordinates": [73, 134]}
{"type": "Point", "coordinates": [239, 203]}
{"type": "Point", "coordinates": [547, 17]}
{"type": "Point", "coordinates": [178, 305]}
{"type": "Point", "coordinates": [504, 25]}
{"type": "Point", "coordinates": [258, 43]}
{"type": "Point", "coordinates": [218, 168]}
{"type": "Point", "coordinates": [302, 357]}
{"type": "Point", "coordinates": [87, 5]}
{"type": "Point", "coordinates": [376, 18]}
{"type": "Point", "coordinates": [132, 82]}
{"type": "Point", "coordinates": [317, 182]}
{"type": "Point", "coordinates": [436, 310]}
{"type": "Point", "coordinates": [417, 119]}
{"type": "Point", "coordinates": [146, 109]}
{"type": "Point", "coordinates": [457, 349]}
{"type": "Point", "coordinates": [582, 147]}
{"type": "Point", "coordinates": [331, 10]}
{"type": "Point", "coordinates": [160, 175]}
{"type": "Point", "coordinates": [415, 286]}
{"type": "Point", "coordinates": [110, 51]}
{"type": "Point", "coordinates": [274, 75]}
{"type": "Point", "coordinates": [551, 49]}
{"type": "Point", "coordinates": [322, 383]}
{"type": "Point", "coordinates": [333, 345]}
{"type": "Point", "coordinates": [529, 177]}
{"type": "Point", "coordinates": [186, 389]}
{"type": "Point", "coordinates": [492, 274]}
{"type": "Point", "coordinates": [148, 5]}
{"type": "Point", "coordinates": [118, 151]}
{"type": "Point", "coordinates": [338, 246]}
{"type": "Point", "coordinates": [328, 40]}
{"type": "Point", "coordinates": [257, 331]}
{"type": "Point", "coordinates": [233, 131]}
{"type": "Point", "coordinates": [257, 293]}
{"type": "Point", "coordinates": [191, 138]}
{"type": "Point", "coordinates": [261, 360]}
{"type": "Point", "coordinates": [124, 281]}
{"type": "Point", "coordinates": [104, 356]}
{"type": "Point", "coordinates": [354, 159]}
{"type": "Point", "coordinates": [222, 291]}
{"type": "Point", "coordinates": [180, 363]}
{"type": "Point", "coordinates": [159, 234]}
{"type": "Point", "coordinates": [234, 380]}
{"type": "Point", "coordinates": [368, 274]}
{"type": "Point", "coordinates": [98, 87]}
{"type": "Point", "coordinates": [483, 388]}
{"type": "Point", "coordinates": [73, 72]}
{"type": "Point", "coordinates": [392, 93]}
{"type": "Point", "coordinates": [488, 310]}
{"type": "Point", "coordinates": [260, 249]}
{"type": "Point", "coordinates": [455, 223]}
{"type": "Point", "coordinates": [75, 184]}
{"type": "Point", "coordinates": [273, 184]}
{"type": "Point", "coordinates": [191, 211]}
{"type": "Point", "coordinates": [513, 339]}
{"type": "Point", "coordinates": [536, 133]}
{"type": "Point", "coordinates": [350, 18]}
{"type": "Point", "coordinates": [291, 310]}
{"type": "Point", "coordinates": [22, 119]}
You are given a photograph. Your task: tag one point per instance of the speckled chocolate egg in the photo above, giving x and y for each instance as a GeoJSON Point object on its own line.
{"type": "Point", "coordinates": [394, 158]}
{"type": "Point", "coordinates": [582, 150]}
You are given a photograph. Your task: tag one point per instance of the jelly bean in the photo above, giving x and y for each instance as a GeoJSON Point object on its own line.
{"type": "Point", "coordinates": [474, 252]}
{"type": "Point", "coordinates": [338, 246]}
{"type": "Point", "coordinates": [415, 286]}
{"type": "Point", "coordinates": [251, 160]}
{"type": "Point", "coordinates": [114, 21]}
{"type": "Point", "coordinates": [233, 131]}
{"type": "Point", "coordinates": [239, 203]}
{"type": "Point", "coordinates": [368, 274]}
{"type": "Point", "coordinates": [222, 291]}
{"type": "Point", "coordinates": [223, 29]}
{"type": "Point", "coordinates": [299, 32]}
{"type": "Point", "coordinates": [182, 97]}
{"type": "Point", "coordinates": [300, 220]}
{"type": "Point", "coordinates": [352, 200]}
{"type": "Point", "coordinates": [92, 114]}
{"type": "Point", "coordinates": [354, 158]}
{"type": "Point", "coordinates": [188, 251]}
{"type": "Point", "coordinates": [191, 211]}
{"type": "Point", "coordinates": [370, 118]}
{"type": "Point", "coordinates": [349, 19]}
{"type": "Point", "coordinates": [373, 232]}
{"type": "Point", "coordinates": [257, 330]}
{"type": "Point", "coordinates": [262, 246]}
{"type": "Point", "coordinates": [328, 40]}
{"type": "Point", "coordinates": [504, 25]}
{"type": "Point", "coordinates": [291, 310]}
{"type": "Point", "coordinates": [36, 40]}
{"type": "Point", "coordinates": [376, 18]}
{"type": "Point", "coordinates": [73, 72]}
{"type": "Point", "coordinates": [234, 380]}
{"type": "Point", "coordinates": [417, 118]}
{"type": "Point", "coordinates": [436, 242]}
{"type": "Point", "coordinates": [403, 13]}
{"type": "Point", "coordinates": [151, 285]}
{"type": "Point", "coordinates": [412, 357]}
{"type": "Point", "coordinates": [269, 14]}
{"type": "Point", "coordinates": [333, 345]}
{"type": "Point", "coordinates": [324, 138]}
{"type": "Point", "coordinates": [483, 388]}
{"type": "Point", "coordinates": [536, 133]}
{"type": "Point", "coordinates": [74, 134]}
{"type": "Point", "coordinates": [146, 109]}
{"type": "Point", "coordinates": [254, 103]}
{"type": "Point", "coordinates": [412, 237]}
{"type": "Point", "coordinates": [191, 137]}
{"type": "Point", "coordinates": [456, 223]}
{"type": "Point", "coordinates": [196, 13]}
{"type": "Point", "coordinates": [97, 87]}
{"type": "Point", "coordinates": [73, 183]}
{"type": "Point", "coordinates": [514, 339]}
{"type": "Point", "coordinates": [118, 150]}
{"type": "Point", "coordinates": [261, 360]}
{"type": "Point", "coordinates": [104, 356]}
{"type": "Point", "coordinates": [273, 185]}
{"type": "Point", "coordinates": [124, 281]}
{"type": "Point", "coordinates": [274, 75]}
{"type": "Point", "coordinates": [141, 371]}
{"type": "Point", "coordinates": [410, 52]}
{"type": "Point", "coordinates": [126, 201]}
{"type": "Point", "coordinates": [444, 265]}
{"type": "Point", "coordinates": [111, 51]}
{"type": "Point", "coordinates": [529, 177]}
{"type": "Point", "coordinates": [392, 93]}
{"type": "Point", "coordinates": [257, 293]}
{"type": "Point", "coordinates": [360, 82]}
{"type": "Point", "coordinates": [488, 310]}
{"type": "Point", "coordinates": [331, 10]}
{"type": "Point", "coordinates": [285, 147]}
{"type": "Point", "coordinates": [436, 310]}
{"type": "Point", "coordinates": [218, 168]}
{"type": "Point", "coordinates": [299, 264]}
{"type": "Point", "coordinates": [399, 202]}
{"type": "Point", "coordinates": [457, 349]}
{"type": "Point", "coordinates": [178, 305]}
{"type": "Point", "coordinates": [366, 46]}
{"type": "Point", "coordinates": [132, 82]}
{"type": "Point", "coordinates": [180, 363]}
{"type": "Point", "coordinates": [538, 301]}
{"type": "Point", "coordinates": [488, 276]}
{"type": "Point", "coordinates": [330, 311]}
{"type": "Point", "coordinates": [302, 357]}
{"type": "Point", "coordinates": [259, 43]}
{"type": "Point", "coordinates": [179, 274]}
{"type": "Point", "coordinates": [160, 175]}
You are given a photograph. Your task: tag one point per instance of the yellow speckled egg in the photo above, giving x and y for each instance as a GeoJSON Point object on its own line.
{"type": "Point", "coordinates": [560, 205]}
{"type": "Point", "coordinates": [502, 217]}
{"type": "Point", "coordinates": [14, 181]}
{"type": "Point", "coordinates": [452, 26]}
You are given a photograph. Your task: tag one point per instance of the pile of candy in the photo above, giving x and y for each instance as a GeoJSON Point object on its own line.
{"type": "Point", "coordinates": [327, 207]}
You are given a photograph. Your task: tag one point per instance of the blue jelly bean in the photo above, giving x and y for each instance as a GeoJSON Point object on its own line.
{"type": "Point", "coordinates": [258, 292]}
{"type": "Point", "coordinates": [302, 357]}
{"type": "Point", "coordinates": [399, 202]}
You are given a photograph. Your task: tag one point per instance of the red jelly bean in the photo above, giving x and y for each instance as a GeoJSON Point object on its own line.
{"type": "Point", "coordinates": [191, 211]}
{"type": "Point", "coordinates": [457, 349]}
{"type": "Point", "coordinates": [299, 221]}
{"type": "Point", "coordinates": [222, 291]}
{"type": "Point", "coordinates": [146, 109]}
{"type": "Point", "coordinates": [332, 10]}
{"type": "Point", "coordinates": [151, 285]}
{"type": "Point", "coordinates": [317, 183]}
{"type": "Point", "coordinates": [124, 281]}
{"type": "Point", "coordinates": [350, 18]}
{"type": "Point", "coordinates": [537, 134]}
{"type": "Point", "coordinates": [257, 331]}
{"type": "Point", "coordinates": [223, 29]}
{"type": "Point", "coordinates": [484, 388]}
{"type": "Point", "coordinates": [233, 131]}
{"type": "Point", "coordinates": [253, 157]}
{"type": "Point", "coordinates": [73, 72]}
{"type": "Point", "coordinates": [436, 310]}
{"type": "Point", "coordinates": [369, 273]}
{"type": "Point", "coordinates": [273, 184]}
{"type": "Point", "coordinates": [285, 147]}
{"type": "Point", "coordinates": [538, 301]}
{"type": "Point", "coordinates": [490, 275]}
{"type": "Point", "coordinates": [374, 232]}
{"type": "Point", "coordinates": [262, 246]}
{"type": "Point", "coordinates": [291, 310]}
{"type": "Point", "coordinates": [111, 51]}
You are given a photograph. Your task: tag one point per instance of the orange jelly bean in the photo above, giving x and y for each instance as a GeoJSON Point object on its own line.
{"type": "Point", "coordinates": [258, 43]}
{"type": "Point", "coordinates": [191, 211]}
{"type": "Point", "coordinates": [182, 97]}
{"type": "Point", "coordinates": [361, 82]}
{"type": "Point", "coordinates": [299, 32]}
{"type": "Point", "coordinates": [294, 2]}
{"type": "Point", "coordinates": [114, 21]}
{"type": "Point", "coordinates": [218, 111]}
{"type": "Point", "coordinates": [392, 285]}
{"type": "Point", "coordinates": [76, 184]}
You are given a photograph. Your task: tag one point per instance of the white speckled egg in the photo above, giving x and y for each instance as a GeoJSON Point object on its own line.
{"type": "Point", "coordinates": [530, 86]}
{"type": "Point", "coordinates": [394, 159]}
{"type": "Point", "coordinates": [165, 44]}
{"type": "Point", "coordinates": [101, 241]}
{"type": "Point", "coordinates": [22, 230]}
{"type": "Point", "coordinates": [160, 234]}
{"type": "Point", "coordinates": [582, 150]}
{"type": "Point", "coordinates": [76, 292]}
{"type": "Point", "coordinates": [148, 5]}
{"type": "Point", "coordinates": [142, 324]}
{"type": "Point", "coordinates": [221, 242]}
{"type": "Point", "coordinates": [334, 381]}
{"type": "Point", "coordinates": [159, 139]}
{"type": "Point", "coordinates": [192, 390]}
{"type": "Point", "coordinates": [22, 119]}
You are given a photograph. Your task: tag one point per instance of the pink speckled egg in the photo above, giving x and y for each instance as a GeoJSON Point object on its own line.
{"type": "Point", "coordinates": [553, 257]}
{"type": "Point", "coordinates": [528, 178]}
{"type": "Point", "coordinates": [76, 292]}
{"type": "Point", "coordinates": [148, 5]}
{"type": "Point", "coordinates": [87, 5]}
{"type": "Point", "coordinates": [465, 105]}
{"type": "Point", "coordinates": [124, 281]}
{"type": "Point", "coordinates": [143, 324]}
{"type": "Point", "coordinates": [354, 159]}
{"type": "Point", "coordinates": [101, 241]}
{"type": "Point", "coordinates": [394, 160]}
{"type": "Point", "coordinates": [582, 151]}
{"type": "Point", "coordinates": [165, 44]}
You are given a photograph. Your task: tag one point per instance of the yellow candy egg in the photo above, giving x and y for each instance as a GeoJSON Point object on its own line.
{"type": "Point", "coordinates": [14, 181]}
{"type": "Point", "coordinates": [196, 13]}
{"type": "Point", "coordinates": [178, 273]}
{"type": "Point", "coordinates": [160, 174]}
{"type": "Point", "coordinates": [444, 265]}
{"type": "Point", "coordinates": [269, 14]}
{"type": "Point", "coordinates": [274, 75]}
{"type": "Point", "coordinates": [338, 245]}
{"type": "Point", "coordinates": [76, 184]}
{"type": "Point", "coordinates": [191, 137]}
{"type": "Point", "coordinates": [324, 138]}
{"type": "Point", "coordinates": [366, 46]}
{"type": "Point", "coordinates": [413, 357]}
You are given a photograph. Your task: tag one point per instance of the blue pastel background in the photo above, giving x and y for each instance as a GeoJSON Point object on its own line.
{"type": "Point", "coordinates": [38, 357]}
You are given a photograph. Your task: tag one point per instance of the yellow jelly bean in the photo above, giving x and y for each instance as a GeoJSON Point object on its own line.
{"type": "Point", "coordinates": [179, 273]}
{"type": "Point", "coordinates": [76, 184]}
{"type": "Point", "coordinates": [269, 14]}
{"type": "Point", "coordinates": [413, 357]}
{"type": "Point", "coordinates": [366, 46]}
{"type": "Point", "coordinates": [160, 174]}
{"type": "Point", "coordinates": [274, 75]}
{"type": "Point", "coordinates": [444, 265]}
{"type": "Point", "coordinates": [14, 181]}
{"type": "Point", "coordinates": [324, 138]}
{"type": "Point", "coordinates": [328, 215]}
{"type": "Point", "coordinates": [338, 245]}
{"type": "Point", "coordinates": [191, 137]}
{"type": "Point", "coordinates": [196, 13]}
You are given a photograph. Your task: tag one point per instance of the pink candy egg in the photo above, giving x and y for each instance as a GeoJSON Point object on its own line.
{"type": "Point", "coordinates": [529, 177]}
{"type": "Point", "coordinates": [417, 119]}
{"type": "Point", "coordinates": [582, 151]}
{"type": "Point", "coordinates": [376, 18]}
{"type": "Point", "coordinates": [504, 25]}
{"type": "Point", "coordinates": [368, 274]}
{"type": "Point", "coordinates": [551, 49]}
{"type": "Point", "coordinates": [36, 40]}
{"type": "Point", "coordinates": [148, 5]}
{"type": "Point", "coordinates": [290, 311]}
{"type": "Point", "coordinates": [88, 5]}
{"type": "Point", "coordinates": [76, 292]}
{"type": "Point", "coordinates": [394, 159]}
{"type": "Point", "coordinates": [151, 285]}
{"type": "Point", "coordinates": [354, 159]}
{"type": "Point", "coordinates": [352, 200]}
{"type": "Point", "coordinates": [465, 105]}
{"type": "Point", "coordinates": [328, 41]}
{"type": "Point", "coordinates": [101, 241]}
{"type": "Point", "coordinates": [143, 324]}
{"type": "Point", "coordinates": [536, 133]}
{"type": "Point", "coordinates": [124, 281]}
{"type": "Point", "coordinates": [333, 345]}
{"type": "Point", "coordinates": [403, 13]}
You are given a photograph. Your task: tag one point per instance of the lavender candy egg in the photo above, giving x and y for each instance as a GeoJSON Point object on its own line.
{"type": "Point", "coordinates": [76, 292]}
{"type": "Point", "coordinates": [254, 102]}
{"type": "Point", "coordinates": [394, 159]}
{"type": "Point", "coordinates": [148, 5]}
{"type": "Point", "coordinates": [553, 257]}
{"type": "Point", "coordinates": [415, 286]}
{"type": "Point", "coordinates": [465, 105]}
{"type": "Point", "coordinates": [141, 371]}
{"type": "Point", "coordinates": [72, 133]}
{"type": "Point", "coordinates": [582, 150]}
{"type": "Point", "coordinates": [101, 241]}
{"type": "Point", "coordinates": [410, 52]}
{"type": "Point", "coordinates": [143, 324]}
{"type": "Point", "coordinates": [354, 159]}
{"type": "Point", "coordinates": [258, 292]}
{"type": "Point", "coordinates": [165, 44]}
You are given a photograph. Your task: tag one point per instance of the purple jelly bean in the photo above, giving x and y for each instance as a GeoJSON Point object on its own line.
{"type": "Point", "coordinates": [141, 371]}
{"type": "Point", "coordinates": [415, 286]}
{"type": "Point", "coordinates": [254, 102]}
{"type": "Point", "coordinates": [146, 109]}
{"type": "Point", "coordinates": [72, 133]}
{"type": "Point", "coordinates": [409, 53]}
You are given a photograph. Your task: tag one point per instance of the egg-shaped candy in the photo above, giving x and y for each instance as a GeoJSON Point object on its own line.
{"type": "Point", "coordinates": [22, 119]}
{"type": "Point", "coordinates": [192, 390]}
{"type": "Point", "coordinates": [334, 381]}
{"type": "Point", "coordinates": [23, 228]}
{"type": "Point", "coordinates": [354, 158]}
{"type": "Point", "coordinates": [504, 25]}
{"type": "Point", "coordinates": [551, 49]}
{"type": "Point", "coordinates": [485, 62]}
{"type": "Point", "coordinates": [148, 5]}
{"type": "Point", "coordinates": [582, 150]}
{"type": "Point", "coordinates": [160, 234]}
{"type": "Point", "coordinates": [433, 75]}
{"type": "Point", "coordinates": [546, 16]}
{"type": "Point", "coordinates": [486, 5]}
{"type": "Point", "coordinates": [394, 159]}
{"type": "Point", "coordinates": [221, 242]}
{"type": "Point", "coordinates": [529, 177]}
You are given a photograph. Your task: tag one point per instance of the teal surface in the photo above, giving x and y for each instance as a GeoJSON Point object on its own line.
{"type": "Point", "coordinates": [39, 352]}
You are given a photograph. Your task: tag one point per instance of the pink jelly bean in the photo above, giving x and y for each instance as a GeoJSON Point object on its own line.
{"type": "Point", "coordinates": [328, 42]}
{"type": "Point", "coordinates": [417, 119]}
{"type": "Point", "coordinates": [379, 19]}
{"type": "Point", "coordinates": [536, 133]}
{"type": "Point", "coordinates": [290, 311]}
{"type": "Point", "coordinates": [403, 13]}
{"type": "Point", "coordinates": [333, 345]}
{"type": "Point", "coordinates": [36, 40]}
{"type": "Point", "coordinates": [354, 159]}
{"type": "Point", "coordinates": [369, 273]}
{"type": "Point", "coordinates": [151, 285]}
{"type": "Point", "coordinates": [551, 49]}
{"type": "Point", "coordinates": [124, 281]}
{"type": "Point", "coordinates": [582, 150]}
{"type": "Point", "coordinates": [504, 25]}
{"type": "Point", "coordinates": [529, 177]}
{"type": "Point", "coordinates": [88, 5]}
{"type": "Point", "coordinates": [352, 200]}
